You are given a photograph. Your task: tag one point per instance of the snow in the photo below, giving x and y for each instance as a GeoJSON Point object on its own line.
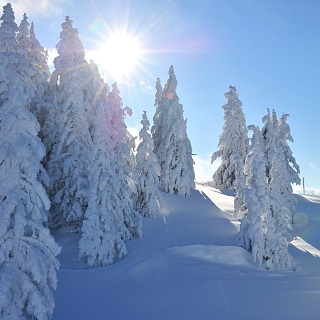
{"type": "Point", "coordinates": [189, 266]}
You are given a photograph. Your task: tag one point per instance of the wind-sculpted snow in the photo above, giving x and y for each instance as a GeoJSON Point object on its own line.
{"type": "Point", "coordinates": [189, 266]}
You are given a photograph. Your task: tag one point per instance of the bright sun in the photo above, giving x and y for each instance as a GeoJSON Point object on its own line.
{"type": "Point", "coordinates": [120, 55]}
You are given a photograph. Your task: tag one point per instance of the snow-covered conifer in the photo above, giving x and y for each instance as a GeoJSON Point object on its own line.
{"type": "Point", "coordinates": [69, 158]}
{"type": "Point", "coordinates": [9, 28]}
{"type": "Point", "coordinates": [156, 128]}
{"type": "Point", "coordinates": [279, 220]}
{"type": "Point", "coordinates": [103, 227]}
{"type": "Point", "coordinates": [27, 264]}
{"type": "Point", "coordinates": [23, 35]}
{"type": "Point", "coordinates": [148, 172]}
{"type": "Point", "coordinates": [126, 187]}
{"type": "Point", "coordinates": [263, 228]}
{"type": "Point", "coordinates": [44, 104]}
{"type": "Point", "coordinates": [174, 152]}
{"type": "Point", "coordinates": [256, 200]}
{"type": "Point", "coordinates": [233, 141]}
{"type": "Point", "coordinates": [284, 136]}
{"type": "Point", "coordinates": [281, 170]}
{"type": "Point", "coordinates": [292, 169]}
{"type": "Point", "coordinates": [276, 135]}
{"type": "Point", "coordinates": [28, 261]}
{"type": "Point", "coordinates": [38, 55]}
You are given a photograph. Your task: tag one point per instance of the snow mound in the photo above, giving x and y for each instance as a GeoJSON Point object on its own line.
{"type": "Point", "coordinates": [214, 254]}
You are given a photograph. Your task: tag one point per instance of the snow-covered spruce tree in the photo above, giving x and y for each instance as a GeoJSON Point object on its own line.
{"type": "Point", "coordinates": [125, 186]}
{"type": "Point", "coordinates": [256, 200]}
{"type": "Point", "coordinates": [28, 261]}
{"type": "Point", "coordinates": [279, 220]}
{"type": "Point", "coordinates": [259, 230]}
{"type": "Point", "coordinates": [285, 136]}
{"type": "Point", "coordinates": [69, 158]}
{"type": "Point", "coordinates": [39, 55]}
{"type": "Point", "coordinates": [148, 172]}
{"type": "Point", "coordinates": [103, 227]}
{"type": "Point", "coordinates": [156, 128]}
{"type": "Point", "coordinates": [44, 103]}
{"type": "Point", "coordinates": [276, 135]}
{"type": "Point", "coordinates": [292, 169]}
{"type": "Point", "coordinates": [174, 152]}
{"type": "Point", "coordinates": [23, 35]}
{"type": "Point", "coordinates": [233, 141]}
{"type": "Point", "coordinates": [9, 28]}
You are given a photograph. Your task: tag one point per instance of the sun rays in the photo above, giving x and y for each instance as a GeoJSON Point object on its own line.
{"type": "Point", "coordinates": [120, 54]}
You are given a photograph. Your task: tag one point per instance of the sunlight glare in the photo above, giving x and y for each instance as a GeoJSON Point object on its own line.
{"type": "Point", "coordinates": [120, 55]}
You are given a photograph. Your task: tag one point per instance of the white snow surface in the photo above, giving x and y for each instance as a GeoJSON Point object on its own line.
{"type": "Point", "coordinates": [189, 266]}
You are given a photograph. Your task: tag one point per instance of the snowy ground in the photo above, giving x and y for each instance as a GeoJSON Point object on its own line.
{"type": "Point", "coordinates": [188, 266]}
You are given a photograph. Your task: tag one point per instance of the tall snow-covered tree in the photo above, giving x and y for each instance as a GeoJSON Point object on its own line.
{"type": "Point", "coordinates": [233, 141]}
{"type": "Point", "coordinates": [276, 135]}
{"type": "Point", "coordinates": [9, 28]}
{"type": "Point", "coordinates": [156, 128]}
{"type": "Point", "coordinates": [103, 227]}
{"type": "Point", "coordinates": [256, 200]}
{"type": "Point", "coordinates": [148, 171]}
{"type": "Point", "coordinates": [39, 55]}
{"type": "Point", "coordinates": [283, 172]}
{"type": "Point", "coordinates": [126, 187]}
{"type": "Point", "coordinates": [69, 158]}
{"type": "Point", "coordinates": [174, 152]}
{"type": "Point", "coordinates": [280, 215]}
{"type": "Point", "coordinates": [284, 135]}
{"type": "Point", "coordinates": [260, 231]}
{"type": "Point", "coordinates": [28, 261]}
{"type": "Point", "coordinates": [44, 104]}
{"type": "Point", "coordinates": [23, 35]}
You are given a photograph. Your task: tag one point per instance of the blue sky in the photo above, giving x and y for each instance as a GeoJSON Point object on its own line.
{"type": "Point", "coordinates": [269, 49]}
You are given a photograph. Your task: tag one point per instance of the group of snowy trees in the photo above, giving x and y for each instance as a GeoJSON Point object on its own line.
{"type": "Point", "coordinates": [66, 158]}
{"type": "Point", "coordinates": [28, 252]}
{"type": "Point", "coordinates": [261, 170]}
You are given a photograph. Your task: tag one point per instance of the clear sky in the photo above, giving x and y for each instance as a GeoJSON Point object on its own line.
{"type": "Point", "coordinates": [269, 49]}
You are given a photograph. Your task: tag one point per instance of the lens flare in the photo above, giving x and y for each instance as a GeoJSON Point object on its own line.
{"type": "Point", "coordinates": [95, 25]}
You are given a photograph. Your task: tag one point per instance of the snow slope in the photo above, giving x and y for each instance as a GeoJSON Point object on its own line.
{"type": "Point", "coordinates": [188, 266]}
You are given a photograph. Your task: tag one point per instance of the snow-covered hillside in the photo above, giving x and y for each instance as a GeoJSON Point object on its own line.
{"type": "Point", "coordinates": [189, 266]}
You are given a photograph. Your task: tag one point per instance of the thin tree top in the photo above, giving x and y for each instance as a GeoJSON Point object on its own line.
{"type": "Point", "coordinates": [71, 36]}
{"type": "Point", "coordinates": [232, 95]}
{"type": "Point", "coordinates": [8, 30]}
{"type": "Point", "coordinates": [171, 85]}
